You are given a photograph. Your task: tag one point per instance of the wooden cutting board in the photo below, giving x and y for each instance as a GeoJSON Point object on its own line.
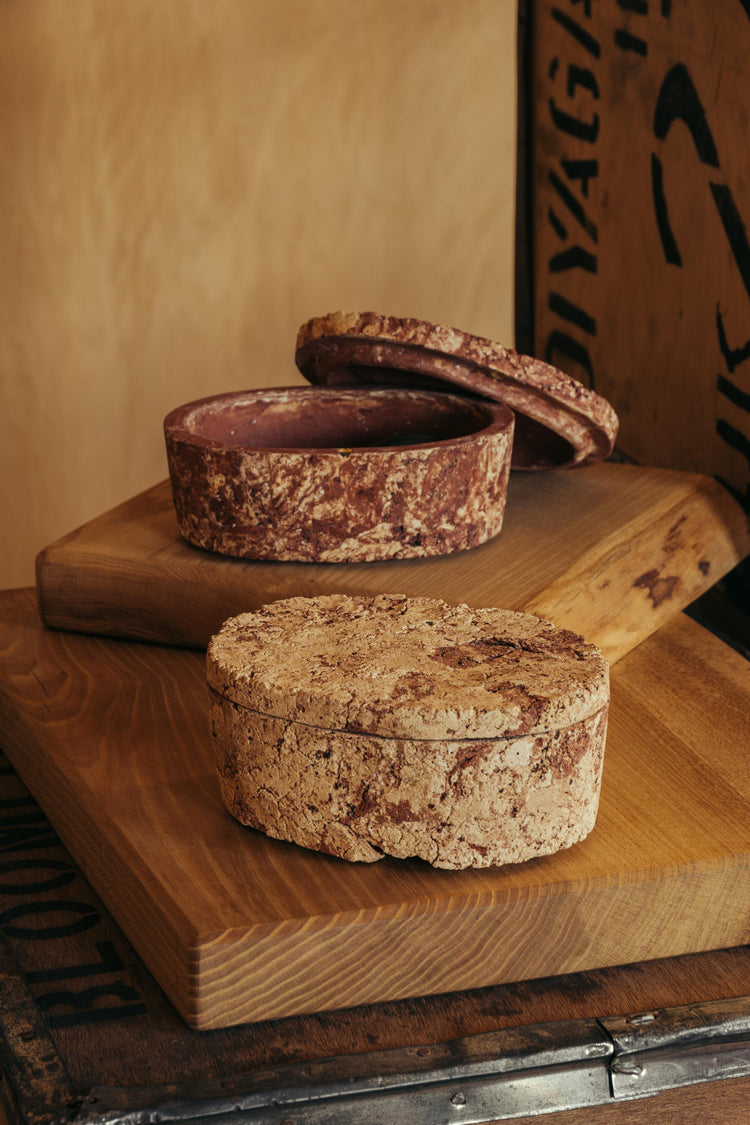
{"type": "Point", "coordinates": [610, 551]}
{"type": "Point", "coordinates": [111, 737]}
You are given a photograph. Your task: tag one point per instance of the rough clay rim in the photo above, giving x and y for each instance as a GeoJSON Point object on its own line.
{"type": "Point", "coordinates": [176, 429]}
{"type": "Point", "coordinates": [499, 373]}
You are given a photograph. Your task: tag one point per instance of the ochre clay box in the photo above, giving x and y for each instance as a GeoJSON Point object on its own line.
{"type": "Point", "coordinates": [364, 727]}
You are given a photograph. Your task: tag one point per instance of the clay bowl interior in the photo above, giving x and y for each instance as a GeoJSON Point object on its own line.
{"type": "Point", "coordinates": [299, 418]}
{"type": "Point", "coordinates": [338, 474]}
{"type": "Point", "coordinates": [535, 445]}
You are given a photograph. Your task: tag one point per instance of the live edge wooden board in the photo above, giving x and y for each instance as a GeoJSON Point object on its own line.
{"type": "Point", "coordinates": [610, 551]}
{"type": "Point", "coordinates": [111, 738]}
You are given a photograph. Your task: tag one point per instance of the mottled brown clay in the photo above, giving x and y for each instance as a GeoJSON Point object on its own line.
{"type": "Point", "coordinates": [559, 421]}
{"type": "Point", "coordinates": [408, 727]}
{"type": "Point", "coordinates": [338, 474]}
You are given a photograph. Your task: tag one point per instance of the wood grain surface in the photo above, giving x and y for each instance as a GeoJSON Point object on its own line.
{"type": "Point", "coordinates": [611, 551]}
{"type": "Point", "coordinates": [111, 737]}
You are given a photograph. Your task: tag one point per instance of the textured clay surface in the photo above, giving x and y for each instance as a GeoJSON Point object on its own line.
{"type": "Point", "coordinates": [369, 726]}
{"type": "Point", "coordinates": [310, 474]}
{"type": "Point", "coordinates": [560, 422]}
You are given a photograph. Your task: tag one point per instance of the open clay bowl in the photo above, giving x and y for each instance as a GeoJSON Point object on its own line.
{"type": "Point", "coordinates": [319, 474]}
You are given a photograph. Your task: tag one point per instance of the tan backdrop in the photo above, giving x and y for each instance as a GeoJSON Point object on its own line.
{"type": "Point", "coordinates": [183, 183]}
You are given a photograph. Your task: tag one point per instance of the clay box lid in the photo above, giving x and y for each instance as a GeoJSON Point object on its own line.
{"type": "Point", "coordinates": [414, 668]}
{"type": "Point", "coordinates": [559, 421]}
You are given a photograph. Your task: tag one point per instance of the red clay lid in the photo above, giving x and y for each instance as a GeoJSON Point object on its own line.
{"type": "Point", "coordinates": [559, 421]}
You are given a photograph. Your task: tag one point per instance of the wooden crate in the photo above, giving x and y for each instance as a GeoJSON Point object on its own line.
{"type": "Point", "coordinates": [639, 178]}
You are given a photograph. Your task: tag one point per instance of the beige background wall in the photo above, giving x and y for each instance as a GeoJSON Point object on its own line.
{"type": "Point", "coordinates": [183, 183]}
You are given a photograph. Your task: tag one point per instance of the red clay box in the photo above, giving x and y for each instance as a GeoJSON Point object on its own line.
{"type": "Point", "coordinates": [316, 474]}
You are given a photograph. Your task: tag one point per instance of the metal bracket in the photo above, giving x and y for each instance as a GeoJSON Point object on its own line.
{"type": "Point", "coordinates": [665, 1048]}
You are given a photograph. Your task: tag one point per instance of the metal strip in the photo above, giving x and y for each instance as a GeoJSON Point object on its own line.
{"type": "Point", "coordinates": [495, 1098]}
{"type": "Point", "coordinates": [468, 1067]}
{"type": "Point", "coordinates": [526, 1071]}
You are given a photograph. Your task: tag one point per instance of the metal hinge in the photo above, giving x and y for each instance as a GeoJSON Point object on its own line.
{"type": "Point", "coordinates": [523, 1071]}
{"type": "Point", "coordinates": [665, 1048]}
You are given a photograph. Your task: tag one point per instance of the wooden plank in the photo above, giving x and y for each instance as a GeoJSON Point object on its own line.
{"type": "Point", "coordinates": [640, 211]}
{"type": "Point", "coordinates": [610, 551]}
{"type": "Point", "coordinates": [111, 737]}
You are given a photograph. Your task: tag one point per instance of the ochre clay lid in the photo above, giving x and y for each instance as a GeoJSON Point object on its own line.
{"type": "Point", "coordinates": [559, 421]}
{"type": "Point", "coordinates": [403, 667]}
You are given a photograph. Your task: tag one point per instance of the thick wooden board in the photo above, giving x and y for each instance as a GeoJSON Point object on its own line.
{"type": "Point", "coordinates": [610, 551]}
{"type": "Point", "coordinates": [84, 1024]}
{"type": "Point", "coordinates": [111, 738]}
